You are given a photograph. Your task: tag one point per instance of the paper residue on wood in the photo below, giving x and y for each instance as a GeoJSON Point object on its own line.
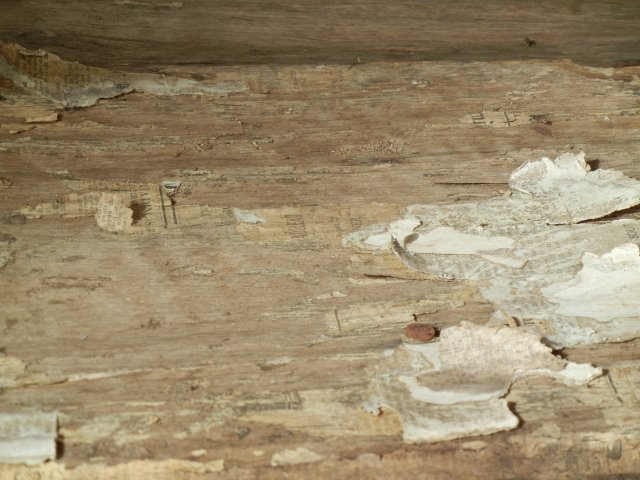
{"type": "Point", "coordinates": [247, 216]}
{"type": "Point", "coordinates": [522, 248]}
{"type": "Point", "coordinates": [295, 457]}
{"type": "Point", "coordinates": [28, 438]}
{"type": "Point", "coordinates": [607, 288]}
{"type": "Point", "coordinates": [72, 84]}
{"type": "Point", "coordinates": [455, 387]}
{"type": "Point", "coordinates": [113, 213]}
{"type": "Point", "coordinates": [122, 207]}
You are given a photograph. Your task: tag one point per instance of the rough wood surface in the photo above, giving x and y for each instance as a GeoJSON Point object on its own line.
{"type": "Point", "coordinates": [247, 339]}
{"type": "Point", "coordinates": [146, 33]}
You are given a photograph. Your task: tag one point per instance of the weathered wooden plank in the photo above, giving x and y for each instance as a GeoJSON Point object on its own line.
{"type": "Point", "coordinates": [223, 335]}
{"type": "Point", "coordinates": [157, 32]}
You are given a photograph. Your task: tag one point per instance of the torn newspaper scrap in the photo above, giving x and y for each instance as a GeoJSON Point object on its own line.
{"type": "Point", "coordinates": [121, 207]}
{"type": "Point", "coordinates": [524, 247]}
{"type": "Point", "coordinates": [28, 438]}
{"type": "Point", "coordinates": [454, 388]}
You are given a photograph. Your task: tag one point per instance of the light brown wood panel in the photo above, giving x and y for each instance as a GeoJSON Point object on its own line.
{"type": "Point", "coordinates": [225, 336]}
{"type": "Point", "coordinates": [144, 33]}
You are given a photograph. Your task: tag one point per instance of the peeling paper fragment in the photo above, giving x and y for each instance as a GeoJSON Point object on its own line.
{"type": "Point", "coordinates": [586, 194]}
{"type": "Point", "coordinates": [28, 438]}
{"type": "Point", "coordinates": [607, 287]}
{"type": "Point", "coordinates": [549, 256]}
{"type": "Point", "coordinates": [75, 85]}
{"type": "Point", "coordinates": [247, 216]}
{"type": "Point", "coordinates": [456, 421]}
{"type": "Point", "coordinates": [516, 247]}
{"type": "Point", "coordinates": [454, 388]}
{"type": "Point", "coordinates": [446, 240]}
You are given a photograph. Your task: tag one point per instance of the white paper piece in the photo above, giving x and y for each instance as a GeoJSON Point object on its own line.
{"type": "Point", "coordinates": [516, 247]}
{"type": "Point", "coordinates": [446, 240]}
{"type": "Point", "coordinates": [607, 287]}
{"type": "Point", "coordinates": [454, 388]}
{"type": "Point", "coordinates": [246, 216]}
{"type": "Point", "coordinates": [586, 194]}
{"type": "Point", "coordinates": [28, 438]}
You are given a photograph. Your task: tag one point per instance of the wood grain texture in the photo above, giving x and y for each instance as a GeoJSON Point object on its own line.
{"type": "Point", "coordinates": [145, 33]}
{"type": "Point", "coordinates": [226, 336]}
